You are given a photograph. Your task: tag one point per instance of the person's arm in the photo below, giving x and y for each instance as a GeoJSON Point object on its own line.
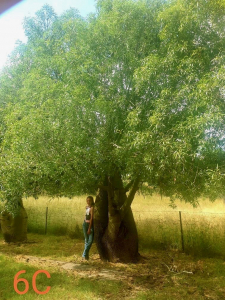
{"type": "Point", "coordinates": [91, 220]}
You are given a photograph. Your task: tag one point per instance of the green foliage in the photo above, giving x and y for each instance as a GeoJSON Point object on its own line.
{"type": "Point", "coordinates": [138, 87]}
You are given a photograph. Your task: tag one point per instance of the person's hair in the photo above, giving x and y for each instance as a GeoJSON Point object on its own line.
{"type": "Point", "coordinates": [92, 200]}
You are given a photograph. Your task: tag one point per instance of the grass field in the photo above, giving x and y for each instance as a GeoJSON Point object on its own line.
{"type": "Point", "coordinates": [164, 272]}
{"type": "Point", "coordinates": [158, 224]}
{"type": "Point", "coordinates": [63, 285]}
{"type": "Point", "coordinates": [160, 275]}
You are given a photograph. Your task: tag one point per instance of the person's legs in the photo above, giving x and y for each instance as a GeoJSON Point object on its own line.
{"type": "Point", "coordinates": [88, 240]}
{"type": "Point", "coordinates": [85, 229]}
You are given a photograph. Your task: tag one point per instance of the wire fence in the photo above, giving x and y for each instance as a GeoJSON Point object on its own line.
{"type": "Point", "coordinates": [198, 233]}
{"type": "Point", "coordinates": [192, 232]}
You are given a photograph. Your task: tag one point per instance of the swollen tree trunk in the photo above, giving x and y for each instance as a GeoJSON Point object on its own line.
{"type": "Point", "coordinates": [14, 227]}
{"type": "Point", "coordinates": [115, 229]}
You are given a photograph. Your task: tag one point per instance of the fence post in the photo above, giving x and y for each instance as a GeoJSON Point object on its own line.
{"type": "Point", "coordinates": [181, 231]}
{"type": "Point", "coordinates": [46, 219]}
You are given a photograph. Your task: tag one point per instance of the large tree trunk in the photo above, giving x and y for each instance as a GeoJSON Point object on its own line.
{"type": "Point", "coordinates": [115, 229]}
{"type": "Point", "coordinates": [14, 227]}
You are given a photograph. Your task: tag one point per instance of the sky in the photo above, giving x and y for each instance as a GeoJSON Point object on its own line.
{"type": "Point", "coordinates": [11, 28]}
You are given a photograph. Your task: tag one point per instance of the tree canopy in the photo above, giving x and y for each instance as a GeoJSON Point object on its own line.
{"type": "Point", "coordinates": [137, 88]}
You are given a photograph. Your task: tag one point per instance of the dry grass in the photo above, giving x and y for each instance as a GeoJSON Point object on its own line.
{"type": "Point", "coordinates": [158, 224]}
{"type": "Point", "coordinates": [158, 204]}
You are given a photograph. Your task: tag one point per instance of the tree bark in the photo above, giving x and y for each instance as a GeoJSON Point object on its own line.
{"type": "Point", "coordinates": [14, 228]}
{"type": "Point", "coordinates": [114, 226]}
{"type": "Point", "coordinates": [101, 221]}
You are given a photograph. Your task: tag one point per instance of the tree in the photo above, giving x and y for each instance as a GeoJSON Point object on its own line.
{"type": "Point", "coordinates": [186, 77]}
{"type": "Point", "coordinates": [131, 96]}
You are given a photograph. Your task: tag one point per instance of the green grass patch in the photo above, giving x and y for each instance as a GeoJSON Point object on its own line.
{"type": "Point", "coordinates": [159, 275]}
{"type": "Point", "coordinates": [63, 286]}
{"type": "Point", "coordinates": [56, 247]}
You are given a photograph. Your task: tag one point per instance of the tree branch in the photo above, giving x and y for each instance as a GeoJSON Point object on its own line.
{"type": "Point", "coordinates": [129, 185]}
{"type": "Point", "coordinates": [133, 190]}
{"type": "Point", "coordinates": [130, 197]}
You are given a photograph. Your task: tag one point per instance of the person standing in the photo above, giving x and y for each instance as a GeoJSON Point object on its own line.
{"type": "Point", "coordinates": [88, 227]}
